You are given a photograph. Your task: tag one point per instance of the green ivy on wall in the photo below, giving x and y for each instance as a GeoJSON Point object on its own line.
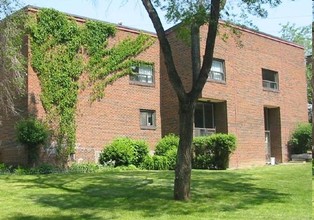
{"type": "Point", "coordinates": [61, 51]}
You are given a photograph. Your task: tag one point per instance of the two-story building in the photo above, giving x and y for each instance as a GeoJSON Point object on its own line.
{"type": "Point", "coordinates": [256, 91]}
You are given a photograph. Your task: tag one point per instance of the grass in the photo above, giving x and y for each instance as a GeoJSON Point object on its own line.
{"type": "Point", "coordinates": [273, 192]}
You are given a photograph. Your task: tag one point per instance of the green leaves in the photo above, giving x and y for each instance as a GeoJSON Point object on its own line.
{"type": "Point", "coordinates": [62, 50]}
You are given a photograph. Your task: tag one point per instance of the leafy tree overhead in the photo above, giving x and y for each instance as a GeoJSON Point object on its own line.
{"type": "Point", "coordinates": [12, 68]}
{"type": "Point", "coordinates": [193, 14]}
{"type": "Point", "coordinates": [302, 36]}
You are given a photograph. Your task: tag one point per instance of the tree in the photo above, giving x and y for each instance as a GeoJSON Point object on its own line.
{"type": "Point", "coordinates": [12, 68]}
{"type": "Point", "coordinates": [193, 14]}
{"type": "Point", "coordinates": [301, 36]}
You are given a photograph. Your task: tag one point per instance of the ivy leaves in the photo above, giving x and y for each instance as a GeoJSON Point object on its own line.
{"type": "Point", "coordinates": [62, 50]}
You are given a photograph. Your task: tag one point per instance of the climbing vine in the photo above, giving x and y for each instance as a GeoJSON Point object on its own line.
{"type": "Point", "coordinates": [61, 51]}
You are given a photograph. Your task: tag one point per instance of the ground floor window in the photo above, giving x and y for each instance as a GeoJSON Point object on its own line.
{"type": "Point", "coordinates": [204, 119]}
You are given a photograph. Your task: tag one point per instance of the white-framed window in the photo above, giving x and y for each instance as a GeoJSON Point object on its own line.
{"type": "Point", "coordinates": [143, 74]}
{"type": "Point", "coordinates": [148, 119]}
{"type": "Point", "coordinates": [270, 79]}
{"type": "Point", "coordinates": [217, 72]}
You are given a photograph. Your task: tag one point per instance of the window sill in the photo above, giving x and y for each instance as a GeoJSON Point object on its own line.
{"type": "Point", "coordinates": [142, 84]}
{"type": "Point", "coordinates": [217, 81]}
{"type": "Point", "coordinates": [148, 127]}
{"type": "Point", "coordinates": [271, 90]}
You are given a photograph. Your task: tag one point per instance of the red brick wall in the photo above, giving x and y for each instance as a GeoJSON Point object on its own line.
{"type": "Point", "coordinates": [117, 114]}
{"type": "Point", "coordinates": [243, 89]}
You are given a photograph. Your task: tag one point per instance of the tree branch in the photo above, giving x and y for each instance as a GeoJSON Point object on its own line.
{"type": "Point", "coordinates": [209, 50]}
{"type": "Point", "coordinates": [166, 50]}
{"type": "Point", "coordinates": [195, 51]}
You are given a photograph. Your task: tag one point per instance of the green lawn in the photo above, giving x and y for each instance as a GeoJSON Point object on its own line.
{"type": "Point", "coordinates": [273, 192]}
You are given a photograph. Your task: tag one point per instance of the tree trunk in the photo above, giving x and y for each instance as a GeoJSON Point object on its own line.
{"type": "Point", "coordinates": [184, 158]}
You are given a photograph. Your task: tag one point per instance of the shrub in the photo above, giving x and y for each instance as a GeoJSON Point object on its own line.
{"type": "Point", "coordinates": [171, 156]}
{"type": "Point", "coordinates": [212, 152]}
{"type": "Point", "coordinates": [4, 168]}
{"type": "Point", "coordinates": [20, 171]}
{"type": "Point", "coordinates": [301, 140]}
{"type": "Point", "coordinates": [148, 163]}
{"type": "Point", "coordinates": [167, 143]}
{"type": "Point", "coordinates": [224, 145]}
{"type": "Point", "coordinates": [168, 147]}
{"type": "Point", "coordinates": [203, 153]}
{"type": "Point", "coordinates": [141, 151]}
{"type": "Point", "coordinates": [84, 168]}
{"type": "Point", "coordinates": [124, 152]}
{"type": "Point", "coordinates": [45, 169]}
{"type": "Point", "coordinates": [155, 163]}
{"type": "Point", "coordinates": [32, 132]}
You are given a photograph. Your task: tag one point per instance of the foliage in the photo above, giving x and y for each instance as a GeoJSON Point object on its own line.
{"type": "Point", "coordinates": [155, 162]}
{"type": "Point", "coordinates": [61, 51]}
{"type": "Point", "coordinates": [118, 151]}
{"type": "Point", "coordinates": [167, 143]}
{"type": "Point", "coordinates": [301, 139]}
{"type": "Point", "coordinates": [168, 147]}
{"type": "Point", "coordinates": [212, 152]}
{"type": "Point", "coordinates": [302, 36]}
{"type": "Point", "coordinates": [84, 168]}
{"type": "Point", "coordinates": [140, 151]}
{"type": "Point", "coordinates": [12, 62]}
{"type": "Point", "coordinates": [32, 132]}
{"type": "Point", "coordinates": [4, 169]}
{"type": "Point", "coordinates": [124, 152]}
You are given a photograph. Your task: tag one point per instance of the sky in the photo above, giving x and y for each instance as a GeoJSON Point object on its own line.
{"type": "Point", "coordinates": [131, 13]}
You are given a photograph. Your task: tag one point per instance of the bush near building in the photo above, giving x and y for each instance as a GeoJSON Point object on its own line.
{"type": "Point", "coordinates": [301, 139]}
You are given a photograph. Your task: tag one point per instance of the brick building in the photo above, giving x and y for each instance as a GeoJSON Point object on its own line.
{"type": "Point", "coordinates": [257, 92]}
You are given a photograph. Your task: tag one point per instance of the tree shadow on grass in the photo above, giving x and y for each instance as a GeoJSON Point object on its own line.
{"type": "Point", "coordinates": [105, 195]}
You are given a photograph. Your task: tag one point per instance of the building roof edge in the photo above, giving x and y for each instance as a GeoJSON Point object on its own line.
{"type": "Point", "coordinates": [84, 19]}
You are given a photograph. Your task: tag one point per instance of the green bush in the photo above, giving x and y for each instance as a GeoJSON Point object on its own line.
{"type": "Point", "coordinates": [46, 169]}
{"type": "Point", "coordinates": [171, 156]}
{"type": "Point", "coordinates": [84, 168]}
{"type": "Point", "coordinates": [301, 140]}
{"type": "Point", "coordinates": [141, 151]}
{"type": "Point", "coordinates": [20, 171]}
{"type": "Point", "coordinates": [155, 163]}
{"type": "Point", "coordinates": [4, 169]}
{"type": "Point", "coordinates": [212, 152]}
{"type": "Point", "coordinates": [32, 132]}
{"type": "Point", "coordinates": [203, 153]}
{"type": "Point", "coordinates": [167, 143]}
{"type": "Point", "coordinates": [168, 147]}
{"type": "Point", "coordinates": [124, 152]}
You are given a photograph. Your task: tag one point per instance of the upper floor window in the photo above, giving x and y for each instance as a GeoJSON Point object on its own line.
{"type": "Point", "coordinates": [148, 119]}
{"type": "Point", "coordinates": [270, 79]}
{"type": "Point", "coordinates": [217, 71]}
{"type": "Point", "coordinates": [143, 74]}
